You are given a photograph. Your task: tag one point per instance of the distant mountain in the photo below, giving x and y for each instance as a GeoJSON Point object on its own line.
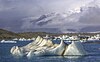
{"type": "Point", "coordinates": [4, 34]}
{"type": "Point", "coordinates": [8, 35]}
{"type": "Point", "coordinates": [82, 19]}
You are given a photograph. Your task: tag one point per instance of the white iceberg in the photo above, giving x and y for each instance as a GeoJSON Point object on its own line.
{"type": "Point", "coordinates": [75, 48]}
{"type": "Point", "coordinates": [38, 44]}
{"type": "Point", "coordinates": [16, 51]}
{"type": "Point", "coordinates": [8, 41]}
{"type": "Point", "coordinates": [48, 51]}
{"type": "Point", "coordinates": [42, 47]}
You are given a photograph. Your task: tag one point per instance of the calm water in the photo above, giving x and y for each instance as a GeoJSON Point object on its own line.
{"type": "Point", "coordinates": [5, 55]}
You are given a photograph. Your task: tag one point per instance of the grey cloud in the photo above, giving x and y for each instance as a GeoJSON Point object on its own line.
{"type": "Point", "coordinates": [90, 29]}
{"type": "Point", "coordinates": [75, 22]}
{"type": "Point", "coordinates": [25, 15]}
{"type": "Point", "coordinates": [91, 17]}
{"type": "Point", "coordinates": [57, 21]}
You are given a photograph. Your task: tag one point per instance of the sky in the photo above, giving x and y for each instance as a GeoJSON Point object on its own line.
{"type": "Point", "coordinates": [57, 15]}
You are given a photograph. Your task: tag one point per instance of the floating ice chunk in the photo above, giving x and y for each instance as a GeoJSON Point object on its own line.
{"type": "Point", "coordinates": [59, 49]}
{"type": "Point", "coordinates": [8, 41]}
{"type": "Point", "coordinates": [16, 51]}
{"type": "Point", "coordinates": [49, 51]}
{"type": "Point", "coordinates": [43, 47]}
{"type": "Point", "coordinates": [75, 48]}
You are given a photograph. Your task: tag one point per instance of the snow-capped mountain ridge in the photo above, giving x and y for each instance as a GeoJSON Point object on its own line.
{"type": "Point", "coordinates": [73, 20]}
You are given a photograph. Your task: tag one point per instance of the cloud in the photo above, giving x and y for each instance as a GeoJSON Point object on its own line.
{"type": "Point", "coordinates": [90, 29]}
{"type": "Point", "coordinates": [49, 15]}
{"type": "Point", "coordinates": [87, 18]}
{"type": "Point", "coordinates": [91, 17]}
{"type": "Point", "coordinates": [40, 6]}
{"type": "Point", "coordinates": [58, 21]}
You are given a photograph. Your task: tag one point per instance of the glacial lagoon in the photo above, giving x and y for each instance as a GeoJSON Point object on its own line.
{"type": "Point", "coordinates": [5, 55]}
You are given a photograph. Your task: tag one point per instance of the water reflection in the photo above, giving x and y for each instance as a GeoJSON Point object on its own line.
{"type": "Point", "coordinates": [68, 57]}
{"type": "Point", "coordinates": [57, 59]}
{"type": "Point", "coordinates": [73, 57]}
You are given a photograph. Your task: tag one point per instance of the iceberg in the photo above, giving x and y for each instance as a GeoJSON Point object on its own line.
{"type": "Point", "coordinates": [46, 42]}
{"type": "Point", "coordinates": [75, 48]}
{"type": "Point", "coordinates": [59, 49]}
{"type": "Point", "coordinates": [16, 51]}
{"type": "Point", "coordinates": [38, 44]}
{"type": "Point", "coordinates": [32, 45]}
{"type": "Point", "coordinates": [48, 51]}
{"type": "Point", "coordinates": [44, 47]}
{"type": "Point", "coordinates": [8, 41]}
